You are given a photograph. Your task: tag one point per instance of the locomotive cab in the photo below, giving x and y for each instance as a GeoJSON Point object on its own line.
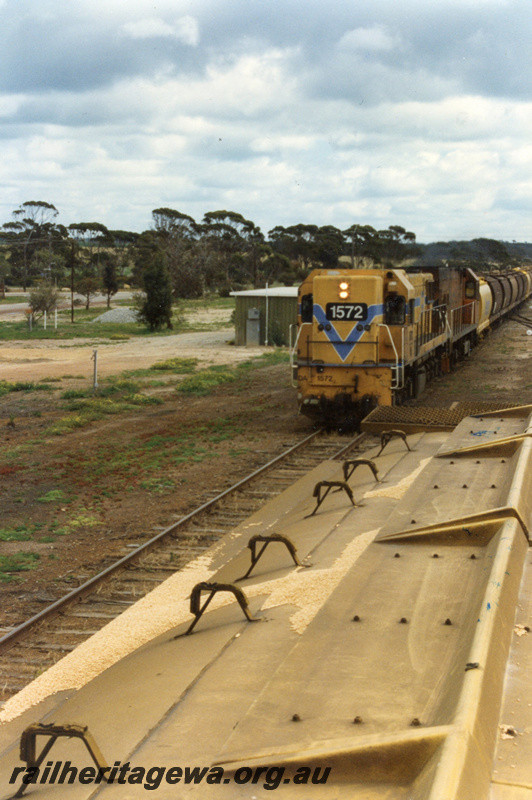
{"type": "Point", "coordinates": [395, 309]}
{"type": "Point", "coordinates": [354, 329]}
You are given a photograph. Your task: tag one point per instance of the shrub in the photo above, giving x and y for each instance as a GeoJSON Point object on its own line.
{"type": "Point", "coordinates": [155, 305]}
{"type": "Point", "coordinates": [180, 366]}
{"type": "Point", "coordinates": [43, 297]}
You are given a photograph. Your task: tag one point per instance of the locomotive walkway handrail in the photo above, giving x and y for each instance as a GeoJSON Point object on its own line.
{"type": "Point", "coordinates": [293, 351]}
{"type": "Point", "coordinates": [399, 362]}
{"type": "Point", "coordinates": [459, 325]}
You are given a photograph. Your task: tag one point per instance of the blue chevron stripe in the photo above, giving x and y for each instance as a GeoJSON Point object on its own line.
{"type": "Point", "coordinates": [345, 346]}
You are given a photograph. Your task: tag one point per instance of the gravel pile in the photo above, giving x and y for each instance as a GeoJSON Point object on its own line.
{"type": "Point", "coordinates": [118, 315]}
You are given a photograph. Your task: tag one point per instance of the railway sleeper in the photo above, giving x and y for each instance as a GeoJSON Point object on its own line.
{"type": "Point", "coordinates": [210, 530]}
{"type": "Point", "coordinates": [153, 568]}
{"type": "Point", "coordinates": [14, 688]}
{"type": "Point", "coordinates": [82, 610]}
{"type": "Point", "coordinates": [225, 513]}
{"type": "Point", "coordinates": [170, 559]}
{"type": "Point", "coordinates": [73, 632]}
{"type": "Point", "coordinates": [105, 601]}
{"type": "Point", "coordinates": [17, 665]}
{"type": "Point", "coordinates": [92, 614]}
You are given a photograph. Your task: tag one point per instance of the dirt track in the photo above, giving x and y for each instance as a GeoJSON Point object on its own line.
{"type": "Point", "coordinates": [46, 358]}
{"type": "Point", "coordinates": [50, 359]}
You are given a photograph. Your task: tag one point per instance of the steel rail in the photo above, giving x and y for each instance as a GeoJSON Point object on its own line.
{"type": "Point", "coordinates": [48, 613]}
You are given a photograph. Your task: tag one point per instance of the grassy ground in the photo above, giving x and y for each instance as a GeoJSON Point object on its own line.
{"type": "Point", "coordinates": [84, 326]}
{"type": "Point", "coordinates": [68, 489]}
{"type": "Point", "coordinates": [13, 298]}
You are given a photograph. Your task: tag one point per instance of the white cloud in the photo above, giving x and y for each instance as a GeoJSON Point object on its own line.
{"type": "Point", "coordinates": [10, 104]}
{"type": "Point", "coordinates": [273, 144]}
{"type": "Point", "coordinates": [244, 86]}
{"type": "Point", "coordinates": [148, 28]}
{"type": "Point", "coordinates": [415, 113]}
{"type": "Point", "coordinates": [186, 29]}
{"type": "Point", "coordinates": [373, 38]}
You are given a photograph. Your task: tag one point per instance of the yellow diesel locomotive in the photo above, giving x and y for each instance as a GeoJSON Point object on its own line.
{"type": "Point", "coordinates": [375, 337]}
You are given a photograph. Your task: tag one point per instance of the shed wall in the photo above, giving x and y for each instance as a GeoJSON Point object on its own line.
{"type": "Point", "coordinates": [282, 312]}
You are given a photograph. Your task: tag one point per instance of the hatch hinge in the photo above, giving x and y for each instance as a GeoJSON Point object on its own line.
{"type": "Point", "coordinates": [328, 485]}
{"type": "Point", "coordinates": [213, 588]}
{"type": "Point", "coordinates": [387, 436]}
{"type": "Point", "coordinates": [350, 466]}
{"type": "Point", "coordinates": [268, 539]}
{"type": "Point", "coordinates": [28, 747]}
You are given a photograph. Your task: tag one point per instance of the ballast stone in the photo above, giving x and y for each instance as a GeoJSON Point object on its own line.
{"type": "Point", "coordinates": [118, 315]}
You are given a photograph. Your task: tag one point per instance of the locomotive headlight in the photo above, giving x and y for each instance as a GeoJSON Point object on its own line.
{"type": "Point", "coordinates": [343, 290]}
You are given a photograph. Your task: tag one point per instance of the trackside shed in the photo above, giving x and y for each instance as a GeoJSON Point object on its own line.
{"type": "Point", "coordinates": [264, 316]}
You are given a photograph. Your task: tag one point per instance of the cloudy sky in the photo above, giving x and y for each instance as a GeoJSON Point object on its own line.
{"type": "Point", "coordinates": [382, 112]}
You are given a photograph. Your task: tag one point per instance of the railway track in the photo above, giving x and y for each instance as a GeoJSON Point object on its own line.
{"type": "Point", "coordinates": [29, 649]}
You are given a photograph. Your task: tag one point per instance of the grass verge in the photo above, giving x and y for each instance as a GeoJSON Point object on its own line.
{"type": "Point", "coordinates": [206, 380]}
{"type": "Point", "coordinates": [16, 562]}
{"type": "Point", "coordinates": [83, 325]}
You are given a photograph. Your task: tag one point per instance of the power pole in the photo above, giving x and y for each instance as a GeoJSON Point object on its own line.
{"type": "Point", "coordinates": [72, 283]}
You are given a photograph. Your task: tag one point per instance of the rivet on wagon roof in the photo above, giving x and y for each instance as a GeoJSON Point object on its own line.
{"type": "Point", "coordinates": [447, 622]}
{"type": "Point", "coordinates": [415, 722]}
{"type": "Point", "coordinates": [403, 620]}
{"type": "Point", "coordinates": [296, 718]}
{"type": "Point", "coordinates": [356, 618]}
{"type": "Point", "coordinates": [357, 721]}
